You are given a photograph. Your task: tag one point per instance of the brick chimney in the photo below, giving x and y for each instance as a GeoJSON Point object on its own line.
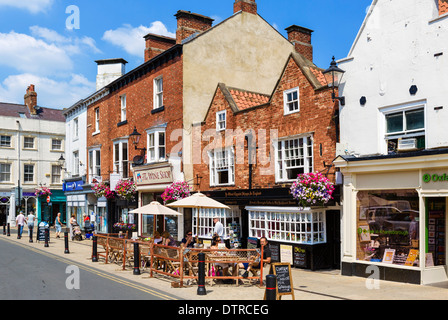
{"type": "Point", "coordinates": [156, 44]}
{"type": "Point", "coordinates": [300, 37]}
{"type": "Point", "coordinates": [31, 99]}
{"type": "Point", "coordinates": [443, 7]}
{"type": "Point", "coordinates": [190, 23]}
{"type": "Point", "coordinates": [245, 5]}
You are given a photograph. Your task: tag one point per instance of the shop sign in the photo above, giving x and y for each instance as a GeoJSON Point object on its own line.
{"type": "Point", "coordinates": [161, 175]}
{"type": "Point", "coordinates": [427, 178]}
{"type": "Point", "coordinates": [73, 186]}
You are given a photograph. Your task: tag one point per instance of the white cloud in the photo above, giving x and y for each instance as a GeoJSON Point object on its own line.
{"type": "Point", "coordinates": [131, 39]}
{"type": "Point", "coordinates": [33, 6]}
{"type": "Point", "coordinates": [27, 54]}
{"type": "Point", "coordinates": [50, 92]}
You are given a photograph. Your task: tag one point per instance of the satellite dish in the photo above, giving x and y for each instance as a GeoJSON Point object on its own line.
{"type": "Point", "coordinates": [138, 160]}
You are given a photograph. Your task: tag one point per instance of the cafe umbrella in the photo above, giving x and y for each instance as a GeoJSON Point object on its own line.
{"type": "Point", "coordinates": [157, 209]}
{"type": "Point", "coordinates": [198, 200]}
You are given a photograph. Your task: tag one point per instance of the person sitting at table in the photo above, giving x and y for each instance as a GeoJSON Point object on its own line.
{"type": "Point", "coordinates": [256, 263]}
{"type": "Point", "coordinates": [168, 240]}
{"type": "Point", "coordinates": [225, 266]}
{"type": "Point", "coordinates": [157, 238]}
{"type": "Point", "coordinates": [188, 241]}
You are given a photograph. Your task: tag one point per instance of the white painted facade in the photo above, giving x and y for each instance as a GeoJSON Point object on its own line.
{"type": "Point", "coordinates": [401, 43]}
{"type": "Point", "coordinates": [42, 156]}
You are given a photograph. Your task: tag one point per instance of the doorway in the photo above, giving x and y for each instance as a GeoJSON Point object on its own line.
{"type": "Point", "coordinates": [435, 231]}
{"type": "Point", "coordinates": [3, 214]}
{"type": "Point", "coordinates": [334, 238]}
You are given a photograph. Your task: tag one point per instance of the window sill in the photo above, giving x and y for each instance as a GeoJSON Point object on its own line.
{"type": "Point", "coordinates": [157, 110]}
{"type": "Point", "coordinates": [122, 123]}
{"type": "Point", "coordinates": [290, 112]}
{"type": "Point", "coordinates": [95, 133]}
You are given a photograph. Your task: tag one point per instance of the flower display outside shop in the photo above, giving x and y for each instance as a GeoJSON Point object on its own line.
{"type": "Point", "coordinates": [126, 189]}
{"type": "Point", "coordinates": [42, 192]}
{"type": "Point", "coordinates": [176, 191]}
{"type": "Point", "coordinates": [103, 190]}
{"type": "Point", "coordinates": [312, 189]}
{"type": "Point", "coordinates": [125, 226]}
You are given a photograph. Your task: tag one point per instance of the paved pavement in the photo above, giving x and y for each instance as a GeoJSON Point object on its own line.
{"type": "Point", "coordinates": [308, 285]}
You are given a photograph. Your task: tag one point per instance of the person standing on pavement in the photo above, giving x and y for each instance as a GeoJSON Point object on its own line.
{"type": "Point", "coordinates": [30, 222]}
{"type": "Point", "coordinates": [219, 228]}
{"type": "Point", "coordinates": [58, 225]}
{"type": "Point", "coordinates": [20, 221]}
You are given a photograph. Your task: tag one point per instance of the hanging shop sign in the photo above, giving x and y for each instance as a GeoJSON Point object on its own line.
{"type": "Point", "coordinates": [153, 176]}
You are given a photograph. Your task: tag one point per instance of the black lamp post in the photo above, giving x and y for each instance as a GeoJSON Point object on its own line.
{"type": "Point", "coordinates": [337, 75]}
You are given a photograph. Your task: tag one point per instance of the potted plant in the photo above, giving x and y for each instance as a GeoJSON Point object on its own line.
{"type": "Point", "coordinates": [312, 190]}
{"type": "Point", "coordinates": [176, 191]}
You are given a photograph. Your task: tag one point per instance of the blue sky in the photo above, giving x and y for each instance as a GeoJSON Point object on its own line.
{"type": "Point", "coordinates": [37, 47]}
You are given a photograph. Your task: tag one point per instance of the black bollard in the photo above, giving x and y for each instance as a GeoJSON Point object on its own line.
{"type": "Point", "coordinates": [9, 231]}
{"type": "Point", "coordinates": [201, 275]}
{"type": "Point", "coordinates": [31, 233]}
{"type": "Point", "coordinates": [271, 284]}
{"type": "Point", "coordinates": [95, 249]}
{"type": "Point", "coordinates": [66, 242]}
{"type": "Point", "coordinates": [47, 237]}
{"type": "Point", "coordinates": [136, 259]}
{"type": "Point", "coordinates": [4, 228]}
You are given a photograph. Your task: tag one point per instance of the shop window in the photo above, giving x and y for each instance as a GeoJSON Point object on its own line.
{"type": "Point", "coordinates": [228, 218]}
{"type": "Point", "coordinates": [388, 226]}
{"type": "Point", "coordinates": [293, 226]}
{"type": "Point", "coordinates": [294, 157]}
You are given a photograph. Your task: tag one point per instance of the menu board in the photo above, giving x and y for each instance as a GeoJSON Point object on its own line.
{"type": "Point", "coordinates": [300, 257]}
{"type": "Point", "coordinates": [286, 253]}
{"type": "Point", "coordinates": [275, 252]}
{"type": "Point", "coordinates": [284, 280]}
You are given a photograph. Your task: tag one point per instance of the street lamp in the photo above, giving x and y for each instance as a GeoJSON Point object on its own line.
{"type": "Point", "coordinates": [336, 75]}
{"type": "Point", "coordinates": [135, 138]}
{"type": "Point", "coordinates": [61, 161]}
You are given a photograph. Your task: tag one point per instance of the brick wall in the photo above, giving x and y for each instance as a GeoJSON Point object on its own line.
{"type": "Point", "coordinates": [315, 116]}
{"type": "Point", "coordinates": [139, 104]}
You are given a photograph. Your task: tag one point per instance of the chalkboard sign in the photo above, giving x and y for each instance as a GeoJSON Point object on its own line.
{"type": "Point", "coordinates": [275, 252]}
{"type": "Point", "coordinates": [300, 257]}
{"type": "Point", "coordinates": [41, 231]}
{"type": "Point", "coordinates": [284, 279]}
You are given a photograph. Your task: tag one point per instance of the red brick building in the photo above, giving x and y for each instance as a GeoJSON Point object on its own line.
{"type": "Point", "coordinates": [161, 98]}
{"type": "Point", "coordinates": [253, 146]}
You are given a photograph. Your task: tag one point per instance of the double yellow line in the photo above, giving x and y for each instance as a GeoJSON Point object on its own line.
{"type": "Point", "coordinates": [94, 271]}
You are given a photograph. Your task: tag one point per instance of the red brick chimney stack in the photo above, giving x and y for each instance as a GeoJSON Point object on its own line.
{"type": "Point", "coordinates": [245, 5]}
{"type": "Point", "coordinates": [31, 99]}
{"type": "Point", "coordinates": [443, 7]}
{"type": "Point", "coordinates": [156, 44]}
{"type": "Point", "coordinates": [190, 23]}
{"type": "Point", "coordinates": [300, 37]}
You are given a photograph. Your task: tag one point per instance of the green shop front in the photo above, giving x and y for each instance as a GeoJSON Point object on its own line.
{"type": "Point", "coordinates": [49, 207]}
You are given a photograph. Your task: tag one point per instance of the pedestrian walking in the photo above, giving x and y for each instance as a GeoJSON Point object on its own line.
{"type": "Point", "coordinates": [30, 222]}
{"type": "Point", "coordinates": [58, 225]}
{"type": "Point", "coordinates": [73, 223]}
{"type": "Point", "coordinates": [20, 221]}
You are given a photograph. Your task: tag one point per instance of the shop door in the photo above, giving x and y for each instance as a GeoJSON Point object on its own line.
{"type": "Point", "coordinates": [436, 231]}
{"type": "Point", "coordinates": [3, 214]}
{"type": "Point", "coordinates": [334, 237]}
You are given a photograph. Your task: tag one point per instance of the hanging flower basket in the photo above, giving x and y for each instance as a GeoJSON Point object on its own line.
{"type": "Point", "coordinates": [126, 189]}
{"type": "Point", "coordinates": [312, 190]}
{"type": "Point", "coordinates": [42, 192]}
{"type": "Point", "coordinates": [176, 191]}
{"type": "Point", "coordinates": [103, 190]}
{"type": "Point", "coordinates": [125, 226]}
